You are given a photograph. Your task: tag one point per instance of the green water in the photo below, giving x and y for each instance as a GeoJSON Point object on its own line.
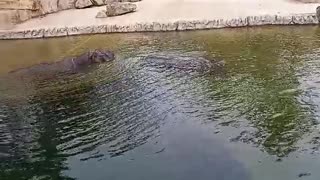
{"type": "Point", "coordinates": [256, 117]}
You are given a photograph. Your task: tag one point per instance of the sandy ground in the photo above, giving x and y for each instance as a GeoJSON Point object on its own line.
{"type": "Point", "coordinates": [163, 11]}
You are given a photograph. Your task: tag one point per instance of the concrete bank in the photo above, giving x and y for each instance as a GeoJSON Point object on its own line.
{"type": "Point", "coordinates": [168, 15]}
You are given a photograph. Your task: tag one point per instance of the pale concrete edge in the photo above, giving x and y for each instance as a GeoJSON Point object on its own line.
{"type": "Point", "coordinates": [298, 19]}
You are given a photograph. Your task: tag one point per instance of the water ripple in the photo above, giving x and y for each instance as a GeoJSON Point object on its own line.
{"type": "Point", "coordinates": [265, 87]}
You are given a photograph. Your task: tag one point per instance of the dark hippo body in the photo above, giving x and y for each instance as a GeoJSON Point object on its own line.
{"type": "Point", "coordinates": [68, 65]}
{"type": "Point", "coordinates": [183, 63]}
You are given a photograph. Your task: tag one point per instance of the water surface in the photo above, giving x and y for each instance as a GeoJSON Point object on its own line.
{"type": "Point", "coordinates": [227, 104]}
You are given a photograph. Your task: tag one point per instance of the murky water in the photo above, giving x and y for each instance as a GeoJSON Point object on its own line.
{"type": "Point", "coordinates": [227, 104]}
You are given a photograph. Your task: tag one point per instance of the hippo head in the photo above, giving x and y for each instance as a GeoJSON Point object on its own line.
{"type": "Point", "coordinates": [101, 56]}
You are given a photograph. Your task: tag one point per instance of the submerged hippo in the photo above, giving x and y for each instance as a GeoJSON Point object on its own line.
{"type": "Point", "coordinates": [68, 65]}
{"type": "Point", "coordinates": [182, 63]}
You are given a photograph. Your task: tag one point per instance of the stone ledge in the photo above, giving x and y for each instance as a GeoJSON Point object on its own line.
{"type": "Point", "coordinates": [299, 19]}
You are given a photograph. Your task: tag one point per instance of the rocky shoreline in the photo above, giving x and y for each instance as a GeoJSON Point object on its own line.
{"type": "Point", "coordinates": [299, 19]}
{"type": "Point", "coordinates": [169, 15]}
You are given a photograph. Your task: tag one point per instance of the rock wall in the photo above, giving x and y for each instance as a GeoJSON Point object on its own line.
{"type": "Point", "coordinates": [302, 19]}
{"type": "Point", "coordinates": [50, 6]}
{"type": "Point", "coordinates": [17, 4]}
{"type": "Point", "coordinates": [17, 11]}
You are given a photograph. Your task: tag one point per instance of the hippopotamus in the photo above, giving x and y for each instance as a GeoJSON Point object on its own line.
{"type": "Point", "coordinates": [68, 65]}
{"type": "Point", "coordinates": [183, 63]}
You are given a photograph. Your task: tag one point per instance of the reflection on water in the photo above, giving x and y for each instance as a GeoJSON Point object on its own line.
{"type": "Point", "coordinates": [157, 111]}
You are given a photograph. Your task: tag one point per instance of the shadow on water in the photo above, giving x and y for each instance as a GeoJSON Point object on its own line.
{"type": "Point", "coordinates": [156, 110]}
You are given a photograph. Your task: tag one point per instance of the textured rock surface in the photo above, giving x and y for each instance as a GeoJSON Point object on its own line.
{"type": "Point", "coordinates": [66, 4]}
{"type": "Point", "coordinates": [99, 2]}
{"type": "Point", "coordinates": [169, 15]}
{"type": "Point", "coordinates": [83, 4]}
{"type": "Point", "coordinates": [48, 6]}
{"type": "Point", "coordinates": [174, 26]}
{"type": "Point", "coordinates": [17, 11]}
{"type": "Point", "coordinates": [18, 4]}
{"type": "Point", "coordinates": [8, 18]}
{"type": "Point", "coordinates": [102, 14]}
{"type": "Point", "coordinates": [116, 9]}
